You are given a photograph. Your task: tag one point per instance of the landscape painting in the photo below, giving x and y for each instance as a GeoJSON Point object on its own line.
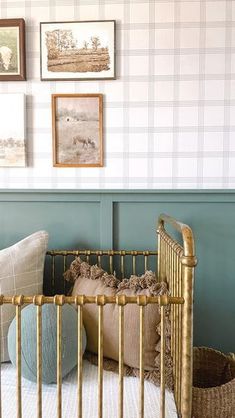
{"type": "Point", "coordinates": [77, 130]}
{"type": "Point", "coordinates": [12, 130]}
{"type": "Point", "coordinates": [12, 50]}
{"type": "Point", "coordinates": [78, 50]}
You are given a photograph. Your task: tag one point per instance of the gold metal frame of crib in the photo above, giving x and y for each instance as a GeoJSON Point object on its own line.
{"type": "Point", "coordinates": [176, 264]}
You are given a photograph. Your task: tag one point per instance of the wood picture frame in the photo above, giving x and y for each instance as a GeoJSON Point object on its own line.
{"type": "Point", "coordinates": [78, 50]}
{"type": "Point", "coordinates": [77, 128]}
{"type": "Point", "coordinates": [12, 50]}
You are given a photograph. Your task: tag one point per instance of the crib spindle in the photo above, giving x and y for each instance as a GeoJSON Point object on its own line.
{"type": "Point", "coordinates": [176, 262]}
{"type": "Point", "coordinates": [169, 280]}
{"type": "Point", "coordinates": [18, 360]}
{"type": "Point", "coordinates": [164, 256]}
{"type": "Point", "coordinates": [53, 274]}
{"type": "Point", "coordinates": [59, 361]}
{"type": "Point", "coordinates": [180, 331]}
{"type": "Point", "coordinates": [64, 270]}
{"type": "Point", "coordinates": [161, 262]}
{"type": "Point", "coordinates": [121, 302]}
{"type": "Point", "coordinates": [145, 262]}
{"type": "Point", "coordinates": [158, 261]}
{"type": "Point", "coordinates": [163, 348]}
{"type": "Point", "coordinates": [111, 263]}
{"type": "Point", "coordinates": [167, 260]}
{"type": "Point", "coordinates": [100, 302]}
{"type": "Point", "coordinates": [122, 266]}
{"type": "Point", "coordinates": [142, 301]}
{"type": "Point", "coordinates": [172, 290]}
{"type": "Point", "coordinates": [174, 312]}
{"type": "Point", "coordinates": [133, 264]}
{"type": "Point", "coordinates": [80, 331]}
{"type": "Point", "coordinates": [39, 361]}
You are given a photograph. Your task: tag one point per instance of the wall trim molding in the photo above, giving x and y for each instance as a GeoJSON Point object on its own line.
{"type": "Point", "coordinates": [107, 197]}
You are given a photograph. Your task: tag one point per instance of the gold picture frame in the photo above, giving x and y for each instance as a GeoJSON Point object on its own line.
{"type": "Point", "coordinates": [77, 127]}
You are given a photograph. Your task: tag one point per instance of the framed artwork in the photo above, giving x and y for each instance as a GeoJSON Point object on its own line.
{"type": "Point", "coordinates": [77, 50]}
{"type": "Point", "coordinates": [12, 50]}
{"type": "Point", "coordinates": [12, 130]}
{"type": "Point", "coordinates": [77, 124]}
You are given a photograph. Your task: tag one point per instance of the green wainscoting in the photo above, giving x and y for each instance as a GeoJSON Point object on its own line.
{"type": "Point", "coordinates": [127, 220]}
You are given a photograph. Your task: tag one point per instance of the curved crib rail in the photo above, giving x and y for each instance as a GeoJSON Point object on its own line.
{"type": "Point", "coordinates": [176, 263]}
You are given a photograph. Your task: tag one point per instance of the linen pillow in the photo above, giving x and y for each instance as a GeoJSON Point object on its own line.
{"type": "Point", "coordinates": [92, 280]}
{"type": "Point", "coordinates": [21, 272]}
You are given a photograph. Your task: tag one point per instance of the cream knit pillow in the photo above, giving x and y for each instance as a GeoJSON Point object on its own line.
{"type": "Point", "coordinates": [21, 273]}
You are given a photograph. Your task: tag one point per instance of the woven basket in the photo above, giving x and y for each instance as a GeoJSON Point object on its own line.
{"type": "Point", "coordinates": [213, 384]}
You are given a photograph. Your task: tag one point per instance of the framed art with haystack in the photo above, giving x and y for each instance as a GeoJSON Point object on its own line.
{"type": "Point", "coordinates": [78, 50]}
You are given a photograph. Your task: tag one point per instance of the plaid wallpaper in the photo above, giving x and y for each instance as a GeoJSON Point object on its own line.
{"type": "Point", "coordinates": [170, 115]}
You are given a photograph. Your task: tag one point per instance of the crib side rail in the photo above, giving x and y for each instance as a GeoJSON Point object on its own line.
{"type": "Point", "coordinates": [80, 300]}
{"type": "Point", "coordinates": [121, 262]}
{"type": "Point", "coordinates": [176, 264]}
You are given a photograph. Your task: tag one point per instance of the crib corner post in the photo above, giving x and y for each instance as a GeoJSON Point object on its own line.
{"type": "Point", "coordinates": [158, 266]}
{"type": "Point", "coordinates": [187, 341]}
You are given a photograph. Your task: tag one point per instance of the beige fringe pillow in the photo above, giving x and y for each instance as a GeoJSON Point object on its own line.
{"type": "Point", "coordinates": [92, 281]}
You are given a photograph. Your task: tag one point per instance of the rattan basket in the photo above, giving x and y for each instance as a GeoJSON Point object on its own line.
{"type": "Point", "coordinates": [213, 384]}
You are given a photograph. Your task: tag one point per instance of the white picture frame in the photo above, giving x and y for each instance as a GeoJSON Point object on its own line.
{"type": "Point", "coordinates": [12, 130]}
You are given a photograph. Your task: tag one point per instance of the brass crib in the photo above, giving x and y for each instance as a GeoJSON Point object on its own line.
{"type": "Point", "coordinates": [175, 264]}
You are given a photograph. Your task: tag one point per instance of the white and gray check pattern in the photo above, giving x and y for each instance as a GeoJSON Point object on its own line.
{"type": "Point", "coordinates": [169, 116]}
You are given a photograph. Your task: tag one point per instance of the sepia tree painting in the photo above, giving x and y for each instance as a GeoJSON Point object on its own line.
{"type": "Point", "coordinates": [64, 55]}
{"type": "Point", "coordinates": [70, 50]}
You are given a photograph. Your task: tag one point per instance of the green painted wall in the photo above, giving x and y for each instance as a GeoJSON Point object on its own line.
{"type": "Point", "coordinates": [127, 220]}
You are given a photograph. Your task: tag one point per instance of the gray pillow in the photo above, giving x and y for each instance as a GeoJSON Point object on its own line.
{"type": "Point", "coordinates": [49, 333]}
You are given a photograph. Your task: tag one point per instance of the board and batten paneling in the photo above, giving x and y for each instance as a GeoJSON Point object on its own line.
{"type": "Point", "coordinates": [127, 220]}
